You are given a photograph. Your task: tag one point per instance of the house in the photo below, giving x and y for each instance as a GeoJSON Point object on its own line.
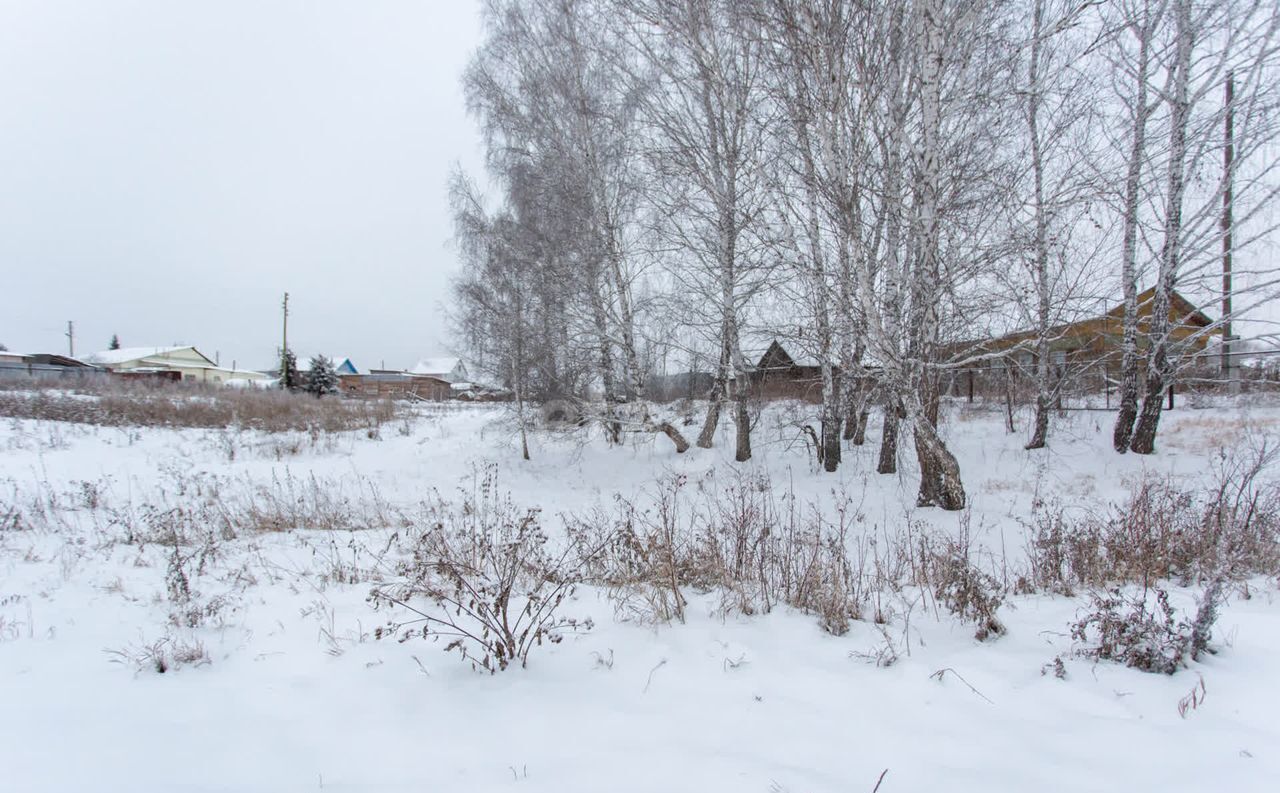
{"type": "Point", "coordinates": [1099, 338]}
{"type": "Point", "coordinates": [1087, 351]}
{"type": "Point", "coordinates": [451, 370]}
{"type": "Point", "coordinates": [779, 375]}
{"type": "Point", "coordinates": [187, 362]}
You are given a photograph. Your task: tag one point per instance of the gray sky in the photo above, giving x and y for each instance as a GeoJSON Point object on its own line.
{"type": "Point", "coordinates": [168, 169]}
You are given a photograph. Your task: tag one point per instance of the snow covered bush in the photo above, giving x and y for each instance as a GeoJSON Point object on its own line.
{"type": "Point", "coordinates": [1133, 630]}
{"type": "Point", "coordinates": [948, 568]}
{"type": "Point", "coordinates": [162, 655]}
{"type": "Point", "coordinates": [968, 592]}
{"type": "Point", "coordinates": [490, 573]}
{"type": "Point", "coordinates": [640, 556]}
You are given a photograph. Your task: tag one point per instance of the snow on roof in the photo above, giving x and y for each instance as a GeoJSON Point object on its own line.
{"type": "Point", "coordinates": [124, 354]}
{"type": "Point", "coordinates": [435, 366]}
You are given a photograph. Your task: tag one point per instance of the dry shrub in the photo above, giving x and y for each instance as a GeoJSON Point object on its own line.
{"type": "Point", "coordinates": [1164, 532]}
{"type": "Point", "coordinates": [162, 655]}
{"type": "Point", "coordinates": [1140, 631]}
{"type": "Point", "coordinates": [489, 570]}
{"type": "Point", "coordinates": [290, 502]}
{"type": "Point", "coordinates": [958, 584]}
{"type": "Point", "coordinates": [735, 539]}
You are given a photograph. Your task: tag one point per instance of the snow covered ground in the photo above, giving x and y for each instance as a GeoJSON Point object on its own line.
{"type": "Point", "coordinates": [284, 687]}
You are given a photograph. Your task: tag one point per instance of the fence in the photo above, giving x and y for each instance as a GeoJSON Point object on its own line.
{"type": "Point", "coordinates": [1095, 385]}
{"type": "Point", "coordinates": [41, 371]}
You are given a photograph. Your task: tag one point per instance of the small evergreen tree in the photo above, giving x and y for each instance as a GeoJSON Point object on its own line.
{"type": "Point", "coordinates": [289, 378]}
{"type": "Point", "coordinates": [115, 342]}
{"type": "Point", "coordinates": [322, 379]}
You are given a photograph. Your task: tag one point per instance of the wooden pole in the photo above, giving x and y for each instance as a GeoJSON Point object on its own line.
{"type": "Point", "coordinates": [284, 346]}
{"type": "Point", "coordinates": [1228, 162]}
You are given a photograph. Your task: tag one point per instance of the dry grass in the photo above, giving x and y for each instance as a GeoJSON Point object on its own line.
{"type": "Point", "coordinates": [1204, 433]}
{"type": "Point", "coordinates": [123, 404]}
{"type": "Point", "coordinates": [1165, 532]}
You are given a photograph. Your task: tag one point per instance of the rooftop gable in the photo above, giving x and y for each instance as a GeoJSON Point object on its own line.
{"type": "Point", "coordinates": [127, 354]}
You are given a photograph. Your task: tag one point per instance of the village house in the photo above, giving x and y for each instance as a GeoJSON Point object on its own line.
{"type": "Point", "coordinates": [432, 379]}
{"type": "Point", "coordinates": [450, 370]}
{"type": "Point", "coordinates": [179, 362]}
{"type": "Point", "coordinates": [1088, 352]}
{"type": "Point", "coordinates": [780, 375]}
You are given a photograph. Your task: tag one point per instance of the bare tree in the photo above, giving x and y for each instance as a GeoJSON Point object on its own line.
{"type": "Point", "coordinates": [1055, 102]}
{"type": "Point", "coordinates": [1206, 43]}
{"type": "Point", "coordinates": [1141, 20]}
{"type": "Point", "coordinates": [704, 117]}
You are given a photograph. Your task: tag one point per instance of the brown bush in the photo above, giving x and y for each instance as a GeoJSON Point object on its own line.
{"type": "Point", "coordinates": [1166, 532]}
{"type": "Point", "coordinates": [734, 539]}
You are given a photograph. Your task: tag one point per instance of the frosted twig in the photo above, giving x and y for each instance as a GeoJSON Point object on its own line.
{"type": "Point", "coordinates": [938, 675]}
{"type": "Point", "coordinates": [661, 664]}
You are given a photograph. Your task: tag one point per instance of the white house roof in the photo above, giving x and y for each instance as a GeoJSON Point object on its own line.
{"type": "Point", "coordinates": [435, 366]}
{"type": "Point", "coordinates": [125, 354]}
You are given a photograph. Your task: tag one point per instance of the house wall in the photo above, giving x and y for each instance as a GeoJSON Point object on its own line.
{"type": "Point", "coordinates": [395, 386]}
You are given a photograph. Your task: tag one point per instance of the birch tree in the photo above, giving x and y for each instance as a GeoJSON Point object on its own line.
{"type": "Point", "coordinates": [812, 47]}
{"type": "Point", "coordinates": [1205, 43]}
{"type": "Point", "coordinates": [1140, 20]}
{"type": "Point", "coordinates": [707, 143]}
{"type": "Point", "coordinates": [1054, 98]}
{"type": "Point", "coordinates": [1208, 42]}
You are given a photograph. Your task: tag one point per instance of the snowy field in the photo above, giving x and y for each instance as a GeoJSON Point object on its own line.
{"type": "Point", "coordinates": [274, 680]}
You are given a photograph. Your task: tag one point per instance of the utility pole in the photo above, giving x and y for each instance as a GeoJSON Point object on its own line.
{"type": "Point", "coordinates": [1228, 163]}
{"type": "Point", "coordinates": [71, 339]}
{"type": "Point", "coordinates": [284, 348]}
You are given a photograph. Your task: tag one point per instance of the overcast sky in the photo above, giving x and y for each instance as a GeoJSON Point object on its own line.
{"type": "Point", "coordinates": [168, 169]}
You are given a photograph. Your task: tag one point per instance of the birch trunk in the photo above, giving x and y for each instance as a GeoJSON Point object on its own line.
{"type": "Point", "coordinates": [888, 460]}
{"type": "Point", "coordinates": [1142, 109]}
{"type": "Point", "coordinates": [1041, 246]}
{"type": "Point", "coordinates": [939, 472]}
{"type": "Point", "coordinates": [1159, 366]}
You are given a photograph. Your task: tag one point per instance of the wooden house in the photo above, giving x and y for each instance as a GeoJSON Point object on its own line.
{"type": "Point", "coordinates": [1087, 351]}
{"type": "Point", "coordinates": [779, 375]}
{"type": "Point", "coordinates": [1100, 338]}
